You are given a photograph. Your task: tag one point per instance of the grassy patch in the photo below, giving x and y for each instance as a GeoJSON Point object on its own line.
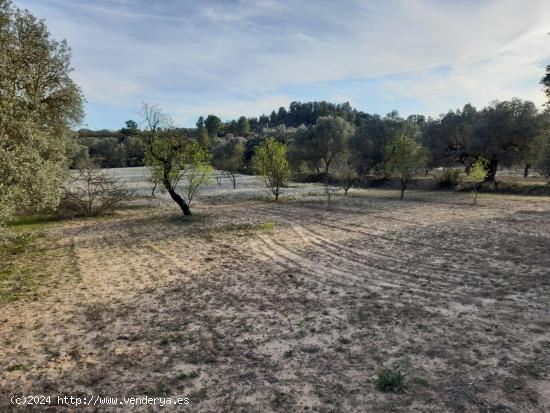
{"type": "Point", "coordinates": [174, 337]}
{"type": "Point", "coordinates": [15, 282]}
{"type": "Point", "coordinates": [189, 219]}
{"type": "Point", "coordinates": [31, 223]}
{"type": "Point", "coordinates": [26, 265]}
{"type": "Point", "coordinates": [247, 228]}
{"type": "Point", "coordinates": [389, 381]}
{"type": "Point", "coordinates": [17, 367]}
{"type": "Point", "coordinates": [420, 381]}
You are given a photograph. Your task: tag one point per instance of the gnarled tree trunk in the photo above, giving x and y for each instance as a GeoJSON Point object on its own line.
{"type": "Point", "coordinates": [173, 194]}
{"type": "Point", "coordinates": [491, 170]}
{"type": "Point", "coordinates": [180, 201]}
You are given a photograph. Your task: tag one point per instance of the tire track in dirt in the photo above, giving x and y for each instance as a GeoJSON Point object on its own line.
{"type": "Point", "coordinates": [335, 251]}
{"type": "Point", "coordinates": [445, 276]}
{"type": "Point", "coordinates": [392, 243]}
{"type": "Point", "coordinates": [355, 281]}
{"type": "Point", "coordinates": [289, 261]}
{"type": "Point", "coordinates": [311, 236]}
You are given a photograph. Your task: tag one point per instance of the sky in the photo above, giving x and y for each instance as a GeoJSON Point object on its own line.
{"type": "Point", "coordinates": [248, 57]}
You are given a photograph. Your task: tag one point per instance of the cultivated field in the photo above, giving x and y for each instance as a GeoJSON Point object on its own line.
{"type": "Point", "coordinates": [256, 306]}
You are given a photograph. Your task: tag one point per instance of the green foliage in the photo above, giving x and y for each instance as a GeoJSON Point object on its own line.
{"type": "Point", "coordinates": [318, 146]}
{"type": "Point", "coordinates": [270, 161]}
{"type": "Point", "coordinates": [406, 157]}
{"type": "Point", "coordinates": [389, 381]}
{"type": "Point", "coordinates": [15, 242]}
{"type": "Point", "coordinates": [229, 157]}
{"type": "Point", "coordinates": [375, 132]}
{"type": "Point", "coordinates": [243, 126]}
{"type": "Point", "coordinates": [447, 178]}
{"type": "Point", "coordinates": [24, 224]}
{"type": "Point", "coordinates": [131, 124]}
{"type": "Point", "coordinates": [501, 132]}
{"type": "Point", "coordinates": [202, 135]}
{"type": "Point", "coordinates": [543, 157]}
{"type": "Point", "coordinates": [545, 81]}
{"type": "Point", "coordinates": [17, 367]}
{"type": "Point", "coordinates": [213, 125]}
{"type": "Point", "coordinates": [330, 138]}
{"type": "Point", "coordinates": [477, 173]}
{"type": "Point", "coordinates": [38, 104]}
{"type": "Point", "coordinates": [198, 173]}
{"type": "Point", "coordinates": [173, 159]}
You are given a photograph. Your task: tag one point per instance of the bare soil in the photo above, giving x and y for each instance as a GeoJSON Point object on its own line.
{"type": "Point", "coordinates": [285, 307]}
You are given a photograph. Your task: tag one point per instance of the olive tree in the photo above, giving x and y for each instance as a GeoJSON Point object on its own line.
{"type": "Point", "coordinates": [406, 157]}
{"type": "Point", "coordinates": [173, 158]}
{"type": "Point", "coordinates": [39, 103]}
{"type": "Point", "coordinates": [543, 159]}
{"type": "Point", "coordinates": [271, 163]}
{"type": "Point", "coordinates": [345, 170]}
{"type": "Point", "coordinates": [229, 158]}
{"type": "Point", "coordinates": [330, 138]}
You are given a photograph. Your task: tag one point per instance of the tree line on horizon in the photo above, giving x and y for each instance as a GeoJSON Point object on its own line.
{"type": "Point", "coordinates": [506, 133]}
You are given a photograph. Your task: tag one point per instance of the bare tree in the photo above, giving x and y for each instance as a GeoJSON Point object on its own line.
{"type": "Point", "coordinates": [92, 192]}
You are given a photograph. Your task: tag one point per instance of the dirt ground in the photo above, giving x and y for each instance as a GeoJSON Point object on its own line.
{"type": "Point", "coordinates": [260, 306]}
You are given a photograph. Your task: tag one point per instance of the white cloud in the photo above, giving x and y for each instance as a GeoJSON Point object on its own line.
{"type": "Point", "coordinates": [226, 57]}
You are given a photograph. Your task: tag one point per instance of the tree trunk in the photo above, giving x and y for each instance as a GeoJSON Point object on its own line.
{"type": "Point", "coordinates": [491, 170]}
{"type": "Point", "coordinates": [327, 166]}
{"type": "Point", "coordinates": [180, 201]}
{"type": "Point", "coordinates": [526, 170]}
{"type": "Point", "coordinates": [402, 192]}
{"type": "Point", "coordinates": [172, 191]}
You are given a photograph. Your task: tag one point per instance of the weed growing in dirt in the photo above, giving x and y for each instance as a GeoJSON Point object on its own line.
{"type": "Point", "coordinates": [174, 337]}
{"type": "Point", "coordinates": [389, 381]}
{"type": "Point", "coordinates": [17, 367]}
{"type": "Point", "coordinates": [420, 381]}
{"type": "Point", "coordinates": [193, 374]}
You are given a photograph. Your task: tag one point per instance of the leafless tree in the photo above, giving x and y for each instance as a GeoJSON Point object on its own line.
{"type": "Point", "coordinates": [92, 192]}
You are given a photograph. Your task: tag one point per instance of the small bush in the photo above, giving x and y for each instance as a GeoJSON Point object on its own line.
{"type": "Point", "coordinates": [447, 178]}
{"type": "Point", "coordinates": [389, 381]}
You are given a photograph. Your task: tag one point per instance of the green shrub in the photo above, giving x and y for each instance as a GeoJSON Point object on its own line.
{"type": "Point", "coordinates": [389, 381]}
{"type": "Point", "coordinates": [447, 178]}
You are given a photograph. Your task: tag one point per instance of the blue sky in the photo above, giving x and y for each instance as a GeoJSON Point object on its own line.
{"type": "Point", "coordinates": [247, 57]}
